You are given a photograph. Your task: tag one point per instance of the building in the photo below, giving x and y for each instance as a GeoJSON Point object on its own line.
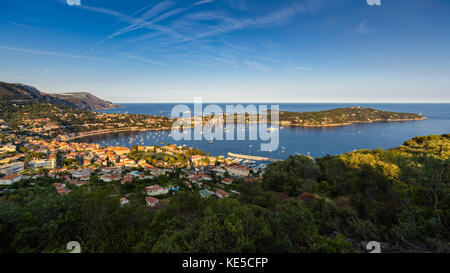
{"type": "Point", "coordinates": [221, 193]}
{"type": "Point", "coordinates": [151, 201]}
{"type": "Point", "coordinates": [124, 201]}
{"type": "Point", "coordinates": [156, 190]}
{"type": "Point", "coordinates": [227, 181]}
{"type": "Point", "coordinates": [121, 150]}
{"type": "Point", "coordinates": [187, 184]}
{"type": "Point", "coordinates": [238, 170]}
{"type": "Point", "coordinates": [12, 168]}
{"type": "Point", "coordinates": [46, 164]}
{"type": "Point", "coordinates": [8, 148]}
{"type": "Point", "coordinates": [110, 177]}
{"type": "Point", "coordinates": [219, 171]}
{"type": "Point", "coordinates": [9, 179]}
{"type": "Point", "coordinates": [127, 179]}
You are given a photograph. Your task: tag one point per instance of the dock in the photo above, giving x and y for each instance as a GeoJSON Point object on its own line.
{"type": "Point", "coordinates": [252, 157]}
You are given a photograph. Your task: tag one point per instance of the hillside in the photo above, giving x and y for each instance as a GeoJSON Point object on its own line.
{"type": "Point", "coordinates": [85, 101]}
{"type": "Point", "coordinates": [16, 92]}
{"type": "Point", "coordinates": [343, 116]}
{"type": "Point", "coordinates": [329, 118]}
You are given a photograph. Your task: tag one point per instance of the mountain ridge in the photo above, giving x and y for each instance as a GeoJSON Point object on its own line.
{"type": "Point", "coordinates": [19, 92]}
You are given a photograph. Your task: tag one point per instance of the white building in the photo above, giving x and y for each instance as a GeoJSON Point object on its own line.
{"type": "Point", "coordinates": [9, 148]}
{"type": "Point", "coordinates": [12, 168]}
{"type": "Point", "coordinates": [124, 201]}
{"type": "Point", "coordinates": [46, 164]}
{"type": "Point", "coordinates": [9, 179]}
{"type": "Point", "coordinates": [156, 190]}
{"type": "Point", "coordinates": [151, 201]}
{"type": "Point", "coordinates": [238, 170]}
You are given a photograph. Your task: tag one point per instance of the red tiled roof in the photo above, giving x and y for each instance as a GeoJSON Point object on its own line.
{"type": "Point", "coordinates": [10, 177]}
{"type": "Point", "coordinates": [151, 200]}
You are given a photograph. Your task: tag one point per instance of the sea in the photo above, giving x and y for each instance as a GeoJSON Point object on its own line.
{"type": "Point", "coordinates": [315, 142]}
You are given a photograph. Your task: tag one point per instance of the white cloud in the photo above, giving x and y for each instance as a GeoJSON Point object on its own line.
{"type": "Point", "coordinates": [256, 65]}
{"type": "Point", "coordinates": [73, 2]}
{"type": "Point", "coordinates": [301, 68]}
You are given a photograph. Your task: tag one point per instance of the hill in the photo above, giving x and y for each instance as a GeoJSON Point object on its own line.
{"type": "Point", "coordinates": [343, 116]}
{"type": "Point", "coordinates": [327, 118]}
{"type": "Point", "coordinates": [85, 101]}
{"type": "Point", "coordinates": [17, 92]}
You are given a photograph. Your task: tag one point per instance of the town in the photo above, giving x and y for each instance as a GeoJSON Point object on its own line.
{"type": "Point", "coordinates": [157, 172]}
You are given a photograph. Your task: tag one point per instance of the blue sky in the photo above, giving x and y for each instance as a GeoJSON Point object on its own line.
{"type": "Point", "coordinates": [230, 50]}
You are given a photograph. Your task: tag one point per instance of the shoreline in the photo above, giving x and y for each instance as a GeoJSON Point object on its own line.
{"type": "Point", "coordinates": [351, 122]}
{"type": "Point", "coordinates": [112, 131]}
{"type": "Point", "coordinates": [132, 129]}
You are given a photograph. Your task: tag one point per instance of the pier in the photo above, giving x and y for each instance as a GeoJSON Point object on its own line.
{"type": "Point", "coordinates": [255, 158]}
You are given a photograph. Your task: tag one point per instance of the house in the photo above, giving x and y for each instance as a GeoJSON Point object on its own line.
{"type": "Point", "coordinates": [196, 158]}
{"type": "Point", "coordinates": [238, 170]}
{"type": "Point", "coordinates": [158, 172]}
{"type": "Point", "coordinates": [8, 148]}
{"type": "Point", "coordinates": [219, 171]}
{"type": "Point", "coordinates": [61, 188]}
{"type": "Point", "coordinates": [127, 179]}
{"type": "Point", "coordinates": [227, 181]}
{"type": "Point", "coordinates": [124, 201]}
{"type": "Point", "coordinates": [12, 168]}
{"type": "Point", "coordinates": [9, 179]}
{"type": "Point", "coordinates": [156, 190]}
{"type": "Point", "coordinates": [187, 184]}
{"type": "Point", "coordinates": [46, 164]}
{"type": "Point", "coordinates": [151, 201]}
{"type": "Point", "coordinates": [221, 193]}
{"type": "Point", "coordinates": [110, 177]}
{"type": "Point", "coordinates": [121, 150]}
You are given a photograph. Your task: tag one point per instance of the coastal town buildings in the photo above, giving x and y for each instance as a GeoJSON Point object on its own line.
{"type": "Point", "coordinates": [155, 190]}
{"type": "Point", "coordinates": [9, 179]}
{"type": "Point", "coordinates": [151, 201]}
{"type": "Point", "coordinates": [71, 165]}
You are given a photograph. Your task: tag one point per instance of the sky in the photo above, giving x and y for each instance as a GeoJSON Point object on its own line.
{"type": "Point", "coordinates": [230, 50]}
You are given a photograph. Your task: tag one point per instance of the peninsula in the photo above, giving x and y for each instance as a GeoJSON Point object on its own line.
{"type": "Point", "coordinates": [327, 118]}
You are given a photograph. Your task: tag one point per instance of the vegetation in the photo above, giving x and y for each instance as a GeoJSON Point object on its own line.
{"type": "Point", "coordinates": [399, 196]}
{"type": "Point", "coordinates": [333, 117]}
{"type": "Point", "coordinates": [55, 120]}
{"type": "Point", "coordinates": [342, 116]}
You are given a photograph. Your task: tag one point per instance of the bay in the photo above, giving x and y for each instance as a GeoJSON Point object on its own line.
{"type": "Point", "coordinates": [315, 142]}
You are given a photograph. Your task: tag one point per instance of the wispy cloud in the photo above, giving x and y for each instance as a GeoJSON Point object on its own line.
{"type": "Point", "coordinates": [20, 25]}
{"type": "Point", "coordinates": [170, 24]}
{"type": "Point", "coordinates": [73, 2]}
{"type": "Point", "coordinates": [43, 52]}
{"type": "Point", "coordinates": [202, 2]}
{"type": "Point", "coordinates": [301, 68]}
{"type": "Point", "coordinates": [142, 59]}
{"type": "Point", "coordinates": [267, 43]}
{"type": "Point", "coordinates": [256, 65]}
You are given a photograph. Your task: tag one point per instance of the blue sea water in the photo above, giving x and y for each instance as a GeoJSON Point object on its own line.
{"type": "Point", "coordinates": [316, 142]}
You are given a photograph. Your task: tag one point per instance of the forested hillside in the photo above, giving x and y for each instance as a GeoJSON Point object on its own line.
{"type": "Point", "coordinates": [400, 197]}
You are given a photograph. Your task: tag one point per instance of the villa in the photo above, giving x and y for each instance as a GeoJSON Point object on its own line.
{"type": "Point", "coordinates": [9, 179]}
{"type": "Point", "coordinates": [156, 190]}
{"type": "Point", "coordinates": [151, 201]}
